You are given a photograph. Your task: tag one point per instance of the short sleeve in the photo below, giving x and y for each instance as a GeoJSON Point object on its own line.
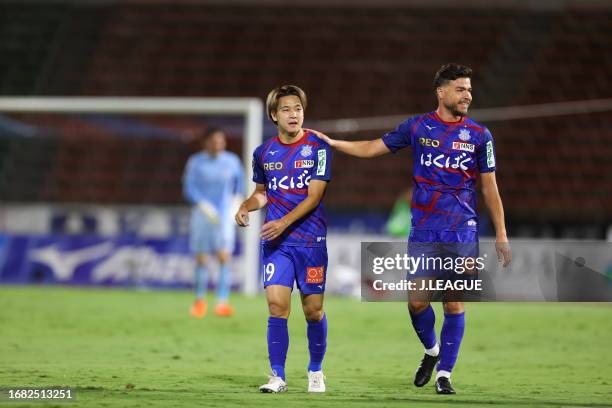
{"type": "Point", "coordinates": [400, 137]}
{"type": "Point", "coordinates": [485, 154]}
{"type": "Point", "coordinates": [259, 176]}
{"type": "Point", "coordinates": [322, 168]}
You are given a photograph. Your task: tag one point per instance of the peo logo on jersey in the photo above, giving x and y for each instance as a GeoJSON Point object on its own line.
{"type": "Point", "coordinates": [464, 134]}
{"type": "Point", "coordinates": [306, 150]}
{"type": "Point", "coordinates": [424, 141]}
{"type": "Point", "coordinates": [273, 166]}
{"type": "Point", "coordinates": [443, 161]}
{"type": "Point", "coordinates": [286, 182]}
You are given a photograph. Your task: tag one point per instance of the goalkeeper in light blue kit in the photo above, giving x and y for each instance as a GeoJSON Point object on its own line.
{"type": "Point", "coordinates": [449, 153]}
{"type": "Point", "coordinates": [214, 183]}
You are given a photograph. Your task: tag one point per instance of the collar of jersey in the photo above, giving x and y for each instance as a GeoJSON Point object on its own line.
{"type": "Point", "coordinates": [210, 156]}
{"type": "Point", "coordinates": [439, 119]}
{"type": "Point", "coordinates": [301, 140]}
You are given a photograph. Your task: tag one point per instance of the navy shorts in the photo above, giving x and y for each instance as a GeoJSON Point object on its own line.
{"type": "Point", "coordinates": [443, 253]}
{"type": "Point", "coordinates": [285, 265]}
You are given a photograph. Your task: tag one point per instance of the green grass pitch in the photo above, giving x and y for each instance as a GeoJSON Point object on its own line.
{"type": "Point", "coordinates": [121, 348]}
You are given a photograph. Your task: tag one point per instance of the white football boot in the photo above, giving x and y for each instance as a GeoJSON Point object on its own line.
{"type": "Point", "coordinates": [275, 384]}
{"type": "Point", "coordinates": [316, 381]}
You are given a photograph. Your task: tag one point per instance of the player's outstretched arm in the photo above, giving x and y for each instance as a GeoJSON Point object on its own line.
{"type": "Point", "coordinates": [256, 201]}
{"type": "Point", "coordinates": [496, 209]}
{"type": "Point", "coordinates": [361, 148]}
{"type": "Point", "coordinates": [274, 229]}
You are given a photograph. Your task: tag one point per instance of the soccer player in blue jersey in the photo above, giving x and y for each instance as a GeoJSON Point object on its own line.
{"type": "Point", "coordinates": [212, 182]}
{"type": "Point", "coordinates": [291, 172]}
{"type": "Point", "coordinates": [449, 150]}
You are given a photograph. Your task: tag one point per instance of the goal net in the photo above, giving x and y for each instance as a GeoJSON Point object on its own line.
{"type": "Point", "coordinates": [94, 186]}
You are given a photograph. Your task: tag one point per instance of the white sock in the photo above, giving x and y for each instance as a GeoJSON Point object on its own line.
{"type": "Point", "coordinates": [443, 373]}
{"type": "Point", "coordinates": [434, 351]}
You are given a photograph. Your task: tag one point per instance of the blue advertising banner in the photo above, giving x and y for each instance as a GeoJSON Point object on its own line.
{"type": "Point", "coordinates": [94, 260]}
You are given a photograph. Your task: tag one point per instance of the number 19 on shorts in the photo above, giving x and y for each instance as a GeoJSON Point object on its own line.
{"type": "Point", "coordinates": [269, 271]}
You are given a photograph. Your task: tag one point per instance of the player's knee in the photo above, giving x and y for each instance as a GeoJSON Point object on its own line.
{"type": "Point", "coordinates": [224, 257]}
{"type": "Point", "coordinates": [313, 313]}
{"type": "Point", "coordinates": [201, 259]}
{"type": "Point", "coordinates": [453, 307]}
{"type": "Point", "coordinates": [278, 309]}
{"type": "Point", "coordinates": [417, 306]}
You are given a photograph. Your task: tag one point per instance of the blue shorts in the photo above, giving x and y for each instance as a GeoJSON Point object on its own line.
{"type": "Point", "coordinates": [444, 253]}
{"type": "Point", "coordinates": [208, 238]}
{"type": "Point", "coordinates": [284, 265]}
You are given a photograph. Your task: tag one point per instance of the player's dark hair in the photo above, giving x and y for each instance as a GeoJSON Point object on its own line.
{"type": "Point", "coordinates": [450, 72]}
{"type": "Point", "coordinates": [208, 132]}
{"type": "Point", "coordinates": [279, 92]}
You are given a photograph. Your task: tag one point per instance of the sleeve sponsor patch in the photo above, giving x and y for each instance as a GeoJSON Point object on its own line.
{"type": "Point", "coordinates": [490, 154]}
{"type": "Point", "coordinates": [322, 156]}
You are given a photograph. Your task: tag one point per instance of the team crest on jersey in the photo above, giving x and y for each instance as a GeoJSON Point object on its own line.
{"type": "Point", "coordinates": [314, 274]}
{"type": "Point", "coordinates": [306, 150]}
{"type": "Point", "coordinates": [464, 134]}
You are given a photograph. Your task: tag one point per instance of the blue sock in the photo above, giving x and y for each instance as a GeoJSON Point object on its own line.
{"type": "Point", "coordinates": [278, 344]}
{"type": "Point", "coordinates": [450, 339]}
{"type": "Point", "coordinates": [317, 342]}
{"type": "Point", "coordinates": [424, 324]}
{"type": "Point", "coordinates": [201, 281]}
{"type": "Point", "coordinates": [224, 283]}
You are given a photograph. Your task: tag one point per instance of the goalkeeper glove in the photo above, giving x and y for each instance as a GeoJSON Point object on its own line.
{"type": "Point", "coordinates": [209, 211]}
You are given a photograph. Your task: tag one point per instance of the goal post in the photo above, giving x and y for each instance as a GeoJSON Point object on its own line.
{"type": "Point", "coordinates": [250, 109]}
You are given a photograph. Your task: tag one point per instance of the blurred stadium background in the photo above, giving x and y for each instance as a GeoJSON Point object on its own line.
{"type": "Point", "coordinates": [92, 199]}
{"type": "Point", "coordinates": [74, 181]}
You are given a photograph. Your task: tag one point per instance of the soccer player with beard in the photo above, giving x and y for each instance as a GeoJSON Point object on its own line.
{"type": "Point", "coordinates": [291, 172]}
{"type": "Point", "coordinates": [449, 150]}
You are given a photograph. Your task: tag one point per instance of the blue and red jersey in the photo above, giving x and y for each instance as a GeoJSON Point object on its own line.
{"type": "Point", "coordinates": [286, 170]}
{"type": "Point", "coordinates": [447, 156]}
